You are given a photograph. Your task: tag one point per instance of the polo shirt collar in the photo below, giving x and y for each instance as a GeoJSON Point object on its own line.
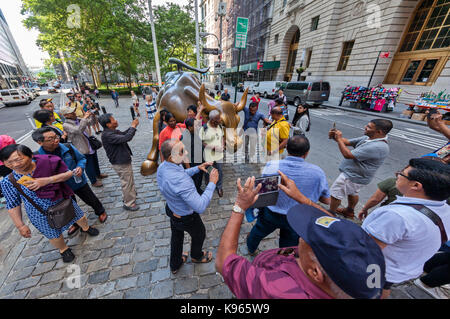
{"type": "Point", "coordinates": [414, 200]}
{"type": "Point", "coordinates": [294, 158]}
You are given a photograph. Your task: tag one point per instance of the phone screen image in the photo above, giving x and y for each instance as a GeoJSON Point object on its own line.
{"type": "Point", "coordinates": [209, 169]}
{"type": "Point", "coordinates": [132, 113]}
{"type": "Point", "coordinates": [269, 183]}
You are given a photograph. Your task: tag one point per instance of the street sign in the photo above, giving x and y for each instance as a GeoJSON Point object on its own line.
{"type": "Point", "coordinates": [220, 67]}
{"type": "Point", "coordinates": [214, 51]}
{"type": "Point", "coordinates": [241, 32]}
{"type": "Point", "coordinates": [222, 9]}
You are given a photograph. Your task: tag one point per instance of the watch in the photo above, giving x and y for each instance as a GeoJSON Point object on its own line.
{"type": "Point", "coordinates": [237, 209]}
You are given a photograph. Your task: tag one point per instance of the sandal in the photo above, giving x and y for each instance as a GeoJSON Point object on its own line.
{"type": "Point", "coordinates": [184, 257]}
{"type": "Point", "coordinates": [73, 229]}
{"type": "Point", "coordinates": [207, 257]}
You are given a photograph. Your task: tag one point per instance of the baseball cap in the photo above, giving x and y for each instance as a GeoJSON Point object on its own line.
{"type": "Point", "coordinates": [67, 110]}
{"type": "Point", "coordinates": [44, 101]}
{"type": "Point", "coordinates": [349, 256]}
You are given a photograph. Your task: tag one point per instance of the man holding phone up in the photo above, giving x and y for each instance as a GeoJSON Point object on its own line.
{"type": "Point", "coordinates": [183, 203]}
{"type": "Point", "coordinates": [309, 178]}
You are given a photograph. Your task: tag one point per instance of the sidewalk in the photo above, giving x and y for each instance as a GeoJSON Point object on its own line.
{"type": "Point", "coordinates": [129, 259]}
{"type": "Point", "coordinates": [395, 115]}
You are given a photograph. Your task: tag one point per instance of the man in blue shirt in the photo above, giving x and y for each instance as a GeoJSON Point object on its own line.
{"type": "Point", "coordinates": [251, 121]}
{"type": "Point", "coordinates": [183, 203]}
{"type": "Point", "coordinates": [309, 179]}
{"type": "Point", "coordinates": [115, 97]}
{"type": "Point", "coordinates": [49, 142]}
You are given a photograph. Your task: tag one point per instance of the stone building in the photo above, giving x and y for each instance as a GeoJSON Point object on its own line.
{"type": "Point", "coordinates": [339, 41]}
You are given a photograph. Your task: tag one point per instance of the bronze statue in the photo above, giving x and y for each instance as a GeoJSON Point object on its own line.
{"type": "Point", "coordinates": [180, 90]}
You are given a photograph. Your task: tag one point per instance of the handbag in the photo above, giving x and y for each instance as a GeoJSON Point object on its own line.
{"type": "Point", "coordinates": [95, 143]}
{"type": "Point", "coordinates": [58, 215]}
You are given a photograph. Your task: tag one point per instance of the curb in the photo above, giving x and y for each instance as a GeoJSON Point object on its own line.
{"type": "Point", "coordinates": [423, 123]}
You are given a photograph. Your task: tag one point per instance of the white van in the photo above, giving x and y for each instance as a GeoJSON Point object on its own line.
{"type": "Point", "coordinates": [268, 89]}
{"type": "Point", "coordinates": [250, 85]}
{"type": "Point", "coordinates": [13, 96]}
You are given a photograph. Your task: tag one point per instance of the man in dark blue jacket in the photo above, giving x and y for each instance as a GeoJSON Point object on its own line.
{"type": "Point", "coordinates": [75, 161]}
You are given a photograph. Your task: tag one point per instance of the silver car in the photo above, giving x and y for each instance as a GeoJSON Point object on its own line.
{"type": "Point", "coordinates": [314, 93]}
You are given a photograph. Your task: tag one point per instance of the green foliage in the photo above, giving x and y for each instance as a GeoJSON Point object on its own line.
{"type": "Point", "coordinates": [112, 36]}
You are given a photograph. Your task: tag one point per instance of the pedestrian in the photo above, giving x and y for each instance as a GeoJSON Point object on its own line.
{"type": "Point", "coordinates": [183, 203]}
{"type": "Point", "coordinates": [329, 261]}
{"type": "Point", "coordinates": [154, 93]}
{"type": "Point", "coordinates": [359, 165]}
{"type": "Point", "coordinates": [115, 97]}
{"type": "Point", "coordinates": [213, 141]}
{"type": "Point", "coordinates": [119, 154]}
{"type": "Point", "coordinates": [47, 104]}
{"type": "Point", "coordinates": [281, 96]}
{"type": "Point", "coordinates": [97, 93]}
{"type": "Point", "coordinates": [5, 140]}
{"type": "Point", "coordinates": [135, 100]}
{"type": "Point", "coordinates": [173, 130]}
{"type": "Point", "coordinates": [280, 103]}
{"type": "Point", "coordinates": [193, 145]}
{"type": "Point", "coordinates": [251, 121]}
{"type": "Point", "coordinates": [191, 112]}
{"type": "Point", "coordinates": [435, 122]}
{"type": "Point", "coordinates": [277, 134]}
{"type": "Point", "coordinates": [256, 99]}
{"type": "Point", "coordinates": [162, 120]}
{"type": "Point", "coordinates": [43, 188]}
{"type": "Point", "coordinates": [309, 179]}
{"type": "Point", "coordinates": [47, 119]}
{"type": "Point", "coordinates": [218, 96]}
{"type": "Point", "coordinates": [79, 104]}
{"type": "Point", "coordinates": [385, 189]}
{"type": "Point", "coordinates": [150, 106]}
{"type": "Point", "coordinates": [225, 95]}
{"type": "Point", "coordinates": [77, 135]}
{"type": "Point", "coordinates": [94, 108]}
{"type": "Point", "coordinates": [408, 229]}
{"type": "Point", "coordinates": [302, 121]}
{"type": "Point", "coordinates": [75, 161]}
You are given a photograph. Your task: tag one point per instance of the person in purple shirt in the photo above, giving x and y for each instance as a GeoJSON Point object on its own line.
{"type": "Point", "coordinates": [309, 178]}
{"type": "Point", "coordinates": [334, 258]}
{"type": "Point", "coordinates": [251, 121]}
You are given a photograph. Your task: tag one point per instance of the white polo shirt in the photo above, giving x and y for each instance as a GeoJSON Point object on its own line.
{"type": "Point", "coordinates": [411, 237]}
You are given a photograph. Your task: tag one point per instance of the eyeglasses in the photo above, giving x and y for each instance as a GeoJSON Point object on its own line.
{"type": "Point", "coordinates": [401, 174]}
{"type": "Point", "coordinates": [18, 160]}
{"type": "Point", "coordinates": [51, 139]}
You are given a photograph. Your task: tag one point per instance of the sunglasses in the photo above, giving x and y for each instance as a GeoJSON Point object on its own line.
{"type": "Point", "coordinates": [397, 174]}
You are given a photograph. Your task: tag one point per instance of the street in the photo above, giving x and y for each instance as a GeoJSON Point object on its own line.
{"type": "Point", "coordinates": [129, 259]}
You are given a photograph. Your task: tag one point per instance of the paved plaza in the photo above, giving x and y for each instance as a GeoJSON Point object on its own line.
{"type": "Point", "coordinates": [130, 257]}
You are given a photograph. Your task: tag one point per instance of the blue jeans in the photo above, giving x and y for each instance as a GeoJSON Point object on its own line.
{"type": "Point", "coordinates": [268, 222]}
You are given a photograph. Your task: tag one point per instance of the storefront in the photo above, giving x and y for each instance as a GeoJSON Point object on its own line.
{"type": "Point", "coordinates": [250, 72]}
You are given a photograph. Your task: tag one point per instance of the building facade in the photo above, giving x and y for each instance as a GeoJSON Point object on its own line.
{"type": "Point", "coordinates": [13, 71]}
{"type": "Point", "coordinates": [339, 41]}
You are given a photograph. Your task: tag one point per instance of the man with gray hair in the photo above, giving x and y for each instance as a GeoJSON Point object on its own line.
{"type": "Point", "coordinates": [183, 203]}
{"type": "Point", "coordinates": [212, 136]}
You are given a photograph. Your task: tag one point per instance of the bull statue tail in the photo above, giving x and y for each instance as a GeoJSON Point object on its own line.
{"type": "Point", "coordinates": [180, 64]}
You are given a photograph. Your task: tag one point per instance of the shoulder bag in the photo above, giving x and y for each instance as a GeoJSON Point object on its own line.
{"type": "Point", "coordinates": [58, 215]}
{"type": "Point", "coordinates": [431, 215]}
{"type": "Point", "coordinates": [94, 142]}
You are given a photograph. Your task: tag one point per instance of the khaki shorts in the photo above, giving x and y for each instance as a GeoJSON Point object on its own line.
{"type": "Point", "coordinates": [342, 187]}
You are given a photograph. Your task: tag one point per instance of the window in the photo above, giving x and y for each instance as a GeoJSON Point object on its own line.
{"type": "Point", "coordinates": [430, 27]}
{"type": "Point", "coordinates": [284, 4]}
{"type": "Point", "coordinates": [345, 56]}
{"type": "Point", "coordinates": [314, 23]}
{"type": "Point", "coordinates": [308, 58]}
{"type": "Point", "coordinates": [276, 38]}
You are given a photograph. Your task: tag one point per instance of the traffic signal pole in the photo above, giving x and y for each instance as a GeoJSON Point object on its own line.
{"type": "Point", "coordinates": [238, 66]}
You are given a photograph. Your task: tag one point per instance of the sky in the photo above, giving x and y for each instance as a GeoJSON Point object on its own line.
{"type": "Point", "coordinates": [26, 39]}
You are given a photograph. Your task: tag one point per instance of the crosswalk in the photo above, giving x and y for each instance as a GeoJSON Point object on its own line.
{"type": "Point", "coordinates": [428, 140]}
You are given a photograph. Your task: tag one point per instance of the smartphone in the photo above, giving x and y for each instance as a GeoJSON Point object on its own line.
{"type": "Point", "coordinates": [209, 169]}
{"type": "Point", "coordinates": [133, 116]}
{"type": "Point", "coordinates": [334, 126]}
{"type": "Point", "coordinates": [104, 110]}
{"type": "Point", "coordinates": [331, 134]}
{"type": "Point", "coordinates": [269, 184]}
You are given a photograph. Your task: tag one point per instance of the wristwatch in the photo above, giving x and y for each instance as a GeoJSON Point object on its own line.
{"type": "Point", "coordinates": [237, 209]}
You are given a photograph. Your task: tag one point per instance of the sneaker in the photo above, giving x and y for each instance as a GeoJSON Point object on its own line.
{"type": "Point", "coordinates": [437, 292]}
{"type": "Point", "coordinates": [67, 256]}
{"type": "Point", "coordinates": [132, 208]}
{"type": "Point", "coordinates": [91, 231]}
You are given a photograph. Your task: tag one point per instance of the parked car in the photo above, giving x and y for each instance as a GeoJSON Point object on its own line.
{"type": "Point", "coordinates": [268, 89]}
{"type": "Point", "coordinates": [35, 92]}
{"type": "Point", "coordinates": [250, 85]}
{"type": "Point", "coordinates": [240, 87]}
{"type": "Point", "coordinates": [13, 96]}
{"type": "Point", "coordinates": [314, 93]}
{"type": "Point", "coordinates": [52, 90]}
{"type": "Point", "coordinates": [27, 94]}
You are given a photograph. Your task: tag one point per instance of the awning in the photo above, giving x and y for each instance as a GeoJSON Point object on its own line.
{"type": "Point", "coordinates": [268, 65]}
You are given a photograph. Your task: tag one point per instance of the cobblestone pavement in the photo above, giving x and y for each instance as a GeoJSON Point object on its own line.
{"type": "Point", "coordinates": [129, 259]}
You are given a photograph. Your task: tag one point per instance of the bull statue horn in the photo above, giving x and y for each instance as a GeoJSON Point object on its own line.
{"type": "Point", "coordinates": [242, 102]}
{"type": "Point", "coordinates": [203, 100]}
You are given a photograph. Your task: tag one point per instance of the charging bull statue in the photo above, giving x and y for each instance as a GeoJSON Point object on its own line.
{"type": "Point", "coordinates": [182, 89]}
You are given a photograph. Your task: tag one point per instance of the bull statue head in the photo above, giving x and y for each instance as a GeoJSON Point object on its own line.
{"type": "Point", "coordinates": [182, 89]}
